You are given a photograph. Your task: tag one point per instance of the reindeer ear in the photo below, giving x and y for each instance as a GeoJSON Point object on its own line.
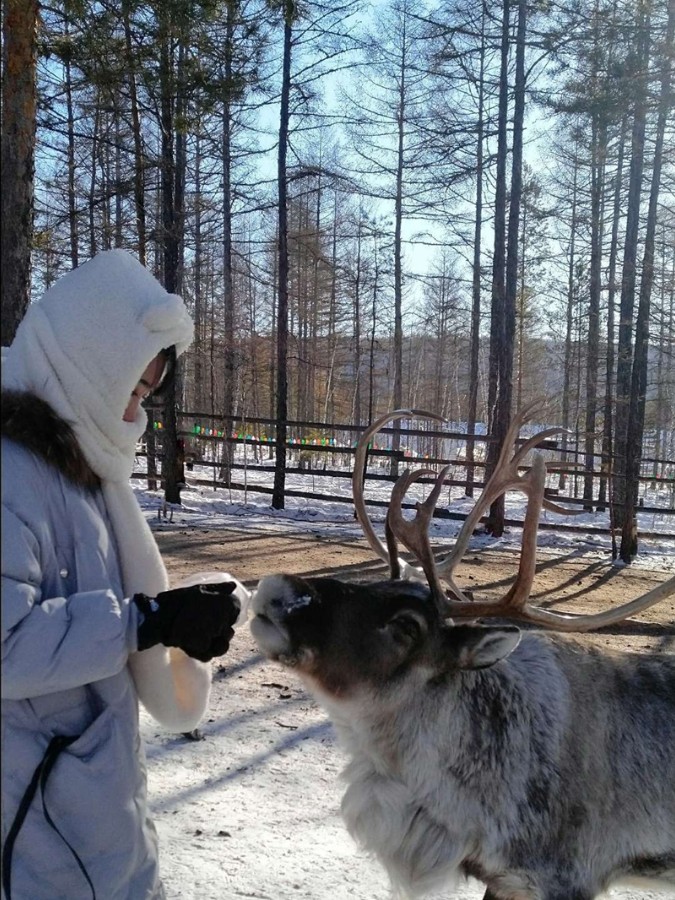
{"type": "Point", "coordinates": [479, 647]}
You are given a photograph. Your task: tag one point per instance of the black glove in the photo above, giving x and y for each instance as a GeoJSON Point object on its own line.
{"type": "Point", "coordinates": [197, 619]}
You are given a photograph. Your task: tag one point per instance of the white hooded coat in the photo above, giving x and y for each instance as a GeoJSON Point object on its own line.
{"type": "Point", "coordinates": [71, 559]}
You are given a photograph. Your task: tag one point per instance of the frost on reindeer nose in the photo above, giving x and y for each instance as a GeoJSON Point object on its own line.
{"type": "Point", "coordinates": [291, 604]}
{"type": "Point", "coordinates": [278, 596]}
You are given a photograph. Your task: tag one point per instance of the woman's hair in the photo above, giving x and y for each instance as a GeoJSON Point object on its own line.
{"type": "Point", "coordinates": [159, 393]}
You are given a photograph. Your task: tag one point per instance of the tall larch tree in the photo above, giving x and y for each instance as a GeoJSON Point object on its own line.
{"type": "Point", "coordinates": [19, 104]}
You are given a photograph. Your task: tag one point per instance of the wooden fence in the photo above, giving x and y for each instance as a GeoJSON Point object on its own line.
{"type": "Point", "coordinates": [322, 450]}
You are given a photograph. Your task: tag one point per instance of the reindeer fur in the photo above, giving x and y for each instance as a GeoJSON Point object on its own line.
{"type": "Point", "coordinates": [542, 767]}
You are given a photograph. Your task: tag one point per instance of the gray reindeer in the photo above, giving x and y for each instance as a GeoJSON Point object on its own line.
{"type": "Point", "coordinates": [538, 765]}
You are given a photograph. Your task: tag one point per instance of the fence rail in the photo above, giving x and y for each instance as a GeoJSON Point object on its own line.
{"type": "Point", "coordinates": [247, 431]}
{"type": "Point", "coordinates": [319, 454]}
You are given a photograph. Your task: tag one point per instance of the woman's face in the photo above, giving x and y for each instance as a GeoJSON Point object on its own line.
{"type": "Point", "coordinates": [149, 381]}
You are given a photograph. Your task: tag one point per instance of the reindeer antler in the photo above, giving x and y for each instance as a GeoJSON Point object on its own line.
{"type": "Point", "coordinates": [398, 567]}
{"type": "Point", "coordinates": [414, 534]}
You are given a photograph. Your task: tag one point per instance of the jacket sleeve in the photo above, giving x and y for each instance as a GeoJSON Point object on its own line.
{"type": "Point", "coordinates": [54, 643]}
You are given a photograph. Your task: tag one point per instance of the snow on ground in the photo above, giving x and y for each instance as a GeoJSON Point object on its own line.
{"type": "Point", "coordinates": [205, 507]}
{"type": "Point", "coordinates": [252, 811]}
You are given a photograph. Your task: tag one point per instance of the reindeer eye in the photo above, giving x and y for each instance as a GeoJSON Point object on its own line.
{"type": "Point", "coordinates": [406, 627]}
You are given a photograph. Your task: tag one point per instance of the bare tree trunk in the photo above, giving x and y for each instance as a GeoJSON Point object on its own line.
{"type": "Point", "coordinates": [104, 165]}
{"type": "Point", "coordinates": [398, 255]}
{"type": "Point", "coordinates": [505, 271]}
{"type": "Point", "coordinates": [514, 212]}
{"type": "Point", "coordinates": [356, 405]}
{"type": "Point", "coordinates": [19, 104]}
{"type": "Point", "coordinates": [499, 254]}
{"type": "Point", "coordinates": [139, 185]}
{"type": "Point", "coordinates": [273, 333]}
{"type": "Point", "coordinates": [72, 211]}
{"type": "Point", "coordinates": [228, 281]}
{"type": "Point", "coordinates": [93, 244]}
{"type": "Point", "coordinates": [476, 280]}
{"type": "Point", "coordinates": [329, 409]}
{"type": "Point", "coordinates": [198, 345]}
{"type": "Point", "coordinates": [171, 203]}
{"type": "Point", "coordinates": [608, 415]}
{"type": "Point", "coordinates": [278, 490]}
{"type": "Point", "coordinates": [638, 393]}
{"type": "Point", "coordinates": [521, 314]}
{"type": "Point", "coordinates": [621, 498]}
{"type": "Point", "coordinates": [118, 239]}
{"type": "Point", "coordinates": [660, 368]}
{"type": "Point", "coordinates": [567, 364]}
{"type": "Point", "coordinates": [598, 143]}
{"type": "Point", "coordinates": [373, 332]}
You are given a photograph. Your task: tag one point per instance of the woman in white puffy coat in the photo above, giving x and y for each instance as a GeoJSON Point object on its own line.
{"type": "Point", "coordinates": [87, 617]}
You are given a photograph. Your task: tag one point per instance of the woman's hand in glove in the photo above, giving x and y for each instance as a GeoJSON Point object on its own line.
{"type": "Point", "coordinates": [197, 619]}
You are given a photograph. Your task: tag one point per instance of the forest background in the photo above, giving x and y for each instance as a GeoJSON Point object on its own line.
{"type": "Point", "coordinates": [454, 205]}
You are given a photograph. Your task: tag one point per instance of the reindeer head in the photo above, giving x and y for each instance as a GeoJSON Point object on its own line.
{"type": "Point", "coordinates": [344, 637]}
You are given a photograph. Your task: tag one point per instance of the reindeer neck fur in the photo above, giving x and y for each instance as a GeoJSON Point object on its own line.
{"type": "Point", "coordinates": [438, 712]}
{"type": "Point", "coordinates": [543, 767]}
{"type": "Point", "coordinates": [423, 760]}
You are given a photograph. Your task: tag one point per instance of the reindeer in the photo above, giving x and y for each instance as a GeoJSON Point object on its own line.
{"type": "Point", "coordinates": [540, 766]}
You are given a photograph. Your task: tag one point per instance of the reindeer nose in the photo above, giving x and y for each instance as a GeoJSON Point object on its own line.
{"type": "Point", "coordinates": [278, 596]}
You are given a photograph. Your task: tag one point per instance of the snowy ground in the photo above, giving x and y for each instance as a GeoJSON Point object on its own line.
{"type": "Point", "coordinates": [207, 507]}
{"type": "Point", "coordinates": [252, 810]}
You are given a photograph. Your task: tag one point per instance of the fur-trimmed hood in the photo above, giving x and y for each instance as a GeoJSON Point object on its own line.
{"type": "Point", "coordinates": [29, 421]}
{"type": "Point", "coordinates": [83, 346]}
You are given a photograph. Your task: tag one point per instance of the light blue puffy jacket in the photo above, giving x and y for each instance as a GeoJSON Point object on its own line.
{"type": "Point", "coordinates": [64, 666]}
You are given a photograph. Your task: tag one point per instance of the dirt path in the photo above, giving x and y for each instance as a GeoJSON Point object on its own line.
{"type": "Point", "coordinates": [574, 582]}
